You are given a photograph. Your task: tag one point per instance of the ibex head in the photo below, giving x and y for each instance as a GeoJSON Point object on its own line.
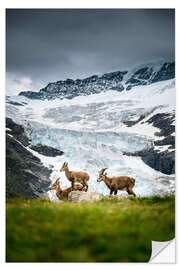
{"type": "Point", "coordinates": [64, 167]}
{"type": "Point", "coordinates": [55, 185]}
{"type": "Point", "coordinates": [102, 175]}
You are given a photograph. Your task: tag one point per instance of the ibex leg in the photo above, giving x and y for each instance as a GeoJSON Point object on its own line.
{"type": "Point", "coordinates": [115, 192]}
{"type": "Point", "coordinates": [131, 192]}
{"type": "Point", "coordinates": [72, 185]}
{"type": "Point", "coordinates": [86, 186]}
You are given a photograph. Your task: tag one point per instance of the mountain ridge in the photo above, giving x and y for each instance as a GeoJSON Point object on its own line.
{"type": "Point", "coordinates": [116, 80]}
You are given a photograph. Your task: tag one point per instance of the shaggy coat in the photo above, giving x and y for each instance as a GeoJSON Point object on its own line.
{"type": "Point", "coordinates": [116, 183]}
{"type": "Point", "coordinates": [81, 177]}
{"type": "Point", "coordinates": [62, 194]}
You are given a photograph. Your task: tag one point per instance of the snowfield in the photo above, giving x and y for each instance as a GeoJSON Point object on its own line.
{"type": "Point", "coordinates": [92, 132]}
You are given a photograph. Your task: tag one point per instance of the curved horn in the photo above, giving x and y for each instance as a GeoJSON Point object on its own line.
{"type": "Point", "coordinates": [57, 180]}
{"type": "Point", "coordinates": [103, 170]}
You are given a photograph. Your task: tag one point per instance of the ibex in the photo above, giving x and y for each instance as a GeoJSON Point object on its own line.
{"type": "Point", "coordinates": [116, 183]}
{"type": "Point", "coordinates": [81, 177]}
{"type": "Point", "coordinates": [62, 194]}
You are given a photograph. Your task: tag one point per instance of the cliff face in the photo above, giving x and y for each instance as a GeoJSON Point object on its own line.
{"type": "Point", "coordinates": [161, 156]}
{"type": "Point", "coordinates": [25, 174]}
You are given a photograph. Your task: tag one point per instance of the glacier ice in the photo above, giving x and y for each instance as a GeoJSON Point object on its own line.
{"type": "Point", "coordinates": [91, 133]}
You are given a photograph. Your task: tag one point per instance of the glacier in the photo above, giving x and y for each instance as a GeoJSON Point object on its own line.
{"type": "Point", "coordinates": [90, 130]}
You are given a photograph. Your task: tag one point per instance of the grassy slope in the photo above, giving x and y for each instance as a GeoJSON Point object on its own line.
{"type": "Point", "coordinates": [105, 231]}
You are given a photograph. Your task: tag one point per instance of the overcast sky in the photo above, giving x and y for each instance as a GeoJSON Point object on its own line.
{"type": "Point", "coordinates": [46, 45]}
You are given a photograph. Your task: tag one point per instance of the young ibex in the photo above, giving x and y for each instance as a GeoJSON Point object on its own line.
{"type": "Point", "coordinates": [81, 177]}
{"type": "Point", "coordinates": [116, 183]}
{"type": "Point", "coordinates": [62, 194]}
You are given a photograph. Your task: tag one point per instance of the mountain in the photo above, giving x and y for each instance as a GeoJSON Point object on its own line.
{"type": "Point", "coordinates": [127, 124]}
{"type": "Point", "coordinates": [129, 132]}
{"type": "Point", "coordinates": [26, 176]}
{"type": "Point", "coordinates": [161, 156]}
{"type": "Point", "coordinates": [119, 81]}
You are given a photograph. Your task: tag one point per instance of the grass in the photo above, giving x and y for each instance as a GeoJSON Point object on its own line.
{"type": "Point", "coordinates": [104, 231]}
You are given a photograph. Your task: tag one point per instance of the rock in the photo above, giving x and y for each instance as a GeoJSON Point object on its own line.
{"type": "Point", "coordinates": [109, 81]}
{"type": "Point", "coordinates": [72, 88]}
{"type": "Point", "coordinates": [25, 174]}
{"type": "Point", "coordinates": [82, 196]}
{"type": "Point", "coordinates": [166, 72]}
{"type": "Point", "coordinates": [140, 77]}
{"type": "Point", "coordinates": [14, 103]}
{"type": "Point", "coordinates": [17, 131]}
{"type": "Point", "coordinates": [130, 123]}
{"type": "Point", "coordinates": [46, 150]}
{"type": "Point", "coordinates": [160, 161]}
{"type": "Point", "coordinates": [169, 140]}
{"type": "Point", "coordinates": [163, 121]}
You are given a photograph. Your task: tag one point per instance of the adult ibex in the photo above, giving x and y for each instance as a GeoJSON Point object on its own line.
{"type": "Point", "coordinates": [116, 183]}
{"type": "Point", "coordinates": [81, 177]}
{"type": "Point", "coordinates": [62, 194]}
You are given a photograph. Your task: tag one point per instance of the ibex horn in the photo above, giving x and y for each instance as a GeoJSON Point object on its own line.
{"type": "Point", "coordinates": [103, 170]}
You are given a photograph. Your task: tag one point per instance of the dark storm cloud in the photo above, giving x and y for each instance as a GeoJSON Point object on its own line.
{"type": "Point", "coordinates": [48, 45]}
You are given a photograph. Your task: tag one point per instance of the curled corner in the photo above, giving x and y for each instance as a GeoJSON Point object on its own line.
{"type": "Point", "coordinates": [157, 248]}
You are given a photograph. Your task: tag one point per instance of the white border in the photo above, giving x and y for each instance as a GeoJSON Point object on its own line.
{"type": "Point", "coordinates": [2, 135]}
{"type": "Point", "coordinates": [74, 4]}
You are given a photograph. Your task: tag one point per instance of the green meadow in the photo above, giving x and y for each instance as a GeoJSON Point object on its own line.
{"type": "Point", "coordinates": [104, 231]}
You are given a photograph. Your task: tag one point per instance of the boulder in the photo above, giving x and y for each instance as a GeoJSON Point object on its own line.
{"type": "Point", "coordinates": [82, 196]}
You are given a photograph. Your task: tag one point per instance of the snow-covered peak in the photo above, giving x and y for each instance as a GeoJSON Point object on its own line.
{"type": "Point", "coordinates": [117, 80]}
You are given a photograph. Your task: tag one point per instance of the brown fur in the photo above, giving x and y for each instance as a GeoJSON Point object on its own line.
{"type": "Point", "coordinates": [81, 177]}
{"type": "Point", "coordinates": [116, 183]}
{"type": "Point", "coordinates": [63, 194]}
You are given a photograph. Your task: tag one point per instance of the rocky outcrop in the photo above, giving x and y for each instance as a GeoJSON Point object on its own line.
{"type": "Point", "coordinates": [46, 150]}
{"type": "Point", "coordinates": [166, 72]}
{"type": "Point", "coordinates": [148, 75]}
{"type": "Point", "coordinates": [118, 80]}
{"type": "Point", "coordinates": [160, 161]}
{"type": "Point", "coordinates": [17, 131]}
{"type": "Point", "coordinates": [130, 123]}
{"type": "Point", "coordinates": [25, 174]}
{"type": "Point", "coordinates": [72, 88]}
{"type": "Point", "coordinates": [82, 196]}
{"type": "Point", "coordinates": [140, 77]}
{"type": "Point", "coordinates": [163, 121]}
{"type": "Point", "coordinates": [169, 140]}
{"type": "Point", "coordinates": [161, 156]}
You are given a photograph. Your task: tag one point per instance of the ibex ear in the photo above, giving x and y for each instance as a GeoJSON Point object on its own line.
{"type": "Point", "coordinates": [105, 173]}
